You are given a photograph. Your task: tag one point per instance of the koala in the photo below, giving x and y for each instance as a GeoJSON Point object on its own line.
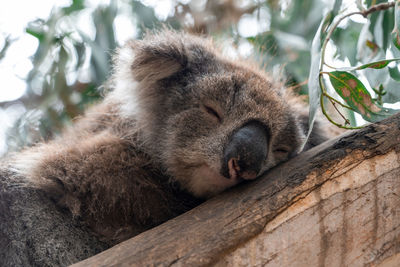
{"type": "Point", "coordinates": [179, 124]}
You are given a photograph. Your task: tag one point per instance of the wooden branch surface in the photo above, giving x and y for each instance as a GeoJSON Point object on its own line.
{"type": "Point", "coordinates": [335, 205]}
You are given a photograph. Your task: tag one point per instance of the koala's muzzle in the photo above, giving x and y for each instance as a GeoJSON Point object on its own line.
{"type": "Point", "coordinates": [246, 151]}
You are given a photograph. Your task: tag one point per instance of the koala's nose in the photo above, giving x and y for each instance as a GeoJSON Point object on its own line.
{"type": "Point", "coordinates": [246, 151]}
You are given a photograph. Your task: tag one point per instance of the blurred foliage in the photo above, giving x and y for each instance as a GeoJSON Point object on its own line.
{"type": "Point", "coordinates": [378, 41]}
{"type": "Point", "coordinates": [6, 45]}
{"type": "Point", "coordinates": [71, 64]}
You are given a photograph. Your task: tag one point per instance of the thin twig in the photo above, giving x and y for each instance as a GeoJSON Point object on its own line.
{"type": "Point", "coordinates": [321, 84]}
{"type": "Point", "coordinates": [337, 101]}
{"type": "Point", "coordinates": [347, 122]}
{"type": "Point", "coordinates": [378, 7]}
{"type": "Point", "coordinates": [329, 66]}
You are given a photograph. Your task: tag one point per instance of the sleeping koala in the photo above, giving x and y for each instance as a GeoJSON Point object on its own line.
{"type": "Point", "coordinates": [180, 124]}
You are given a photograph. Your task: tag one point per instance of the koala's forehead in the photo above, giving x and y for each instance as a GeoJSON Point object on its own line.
{"type": "Point", "coordinates": [236, 86]}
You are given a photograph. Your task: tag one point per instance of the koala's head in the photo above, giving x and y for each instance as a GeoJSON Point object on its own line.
{"type": "Point", "coordinates": [209, 121]}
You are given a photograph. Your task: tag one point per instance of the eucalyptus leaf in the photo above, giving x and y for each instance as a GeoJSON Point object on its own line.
{"type": "Point", "coordinates": [370, 3]}
{"type": "Point", "coordinates": [392, 89]}
{"type": "Point", "coordinates": [329, 18]}
{"type": "Point", "coordinates": [377, 77]}
{"type": "Point", "coordinates": [6, 45]}
{"type": "Point", "coordinates": [346, 39]}
{"type": "Point", "coordinates": [354, 93]}
{"type": "Point", "coordinates": [377, 64]}
{"type": "Point", "coordinates": [378, 30]}
{"type": "Point", "coordinates": [396, 30]}
{"type": "Point", "coordinates": [76, 5]}
{"type": "Point", "coordinates": [373, 65]}
{"type": "Point", "coordinates": [394, 73]}
{"type": "Point", "coordinates": [104, 42]}
{"type": "Point", "coordinates": [387, 25]}
{"type": "Point", "coordinates": [314, 90]}
{"type": "Point", "coordinates": [325, 24]}
{"type": "Point", "coordinates": [38, 34]}
{"type": "Point", "coordinates": [336, 7]}
{"type": "Point", "coordinates": [145, 15]}
{"type": "Point", "coordinates": [366, 48]}
{"type": "Point", "coordinates": [100, 63]}
{"type": "Point", "coordinates": [80, 50]}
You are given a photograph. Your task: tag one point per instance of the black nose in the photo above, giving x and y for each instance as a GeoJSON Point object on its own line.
{"type": "Point", "coordinates": [246, 151]}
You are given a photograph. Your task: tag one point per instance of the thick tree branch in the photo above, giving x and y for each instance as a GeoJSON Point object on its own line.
{"type": "Point", "coordinates": [340, 198]}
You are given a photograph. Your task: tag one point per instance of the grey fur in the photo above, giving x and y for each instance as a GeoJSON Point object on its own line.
{"type": "Point", "coordinates": [151, 150]}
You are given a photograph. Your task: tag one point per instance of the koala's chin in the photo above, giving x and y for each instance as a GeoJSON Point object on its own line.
{"type": "Point", "coordinates": [206, 182]}
{"type": "Point", "coordinates": [216, 160]}
{"type": "Point", "coordinates": [180, 123]}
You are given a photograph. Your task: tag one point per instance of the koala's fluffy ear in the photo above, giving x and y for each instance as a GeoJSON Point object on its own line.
{"type": "Point", "coordinates": [157, 57]}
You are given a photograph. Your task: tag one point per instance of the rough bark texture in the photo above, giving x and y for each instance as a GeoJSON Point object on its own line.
{"type": "Point", "coordinates": [335, 205]}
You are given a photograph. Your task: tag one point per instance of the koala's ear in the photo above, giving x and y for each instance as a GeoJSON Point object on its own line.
{"type": "Point", "coordinates": [157, 58]}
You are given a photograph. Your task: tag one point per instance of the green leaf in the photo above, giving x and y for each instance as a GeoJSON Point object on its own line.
{"type": "Point", "coordinates": [251, 39]}
{"type": "Point", "coordinates": [392, 92]}
{"type": "Point", "coordinates": [38, 34]}
{"type": "Point", "coordinates": [394, 73]}
{"type": "Point", "coordinates": [314, 91]}
{"type": "Point", "coordinates": [396, 30]}
{"type": "Point", "coordinates": [387, 24]}
{"type": "Point", "coordinates": [325, 24]}
{"type": "Point", "coordinates": [346, 39]}
{"type": "Point", "coordinates": [370, 44]}
{"type": "Point", "coordinates": [370, 3]}
{"type": "Point", "coordinates": [351, 117]}
{"type": "Point", "coordinates": [144, 15]}
{"type": "Point", "coordinates": [373, 65]}
{"type": "Point", "coordinates": [367, 49]}
{"type": "Point", "coordinates": [103, 18]}
{"type": "Point", "coordinates": [327, 21]}
{"type": "Point", "coordinates": [80, 50]}
{"type": "Point", "coordinates": [336, 7]}
{"type": "Point", "coordinates": [377, 30]}
{"type": "Point", "coordinates": [3, 50]}
{"type": "Point", "coordinates": [377, 64]}
{"type": "Point", "coordinates": [76, 5]}
{"type": "Point", "coordinates": [266, 43]}
{"type": "Point", "coordinates": [352, 90]}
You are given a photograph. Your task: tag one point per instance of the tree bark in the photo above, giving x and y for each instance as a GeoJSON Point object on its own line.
{"type": "Point", "coordinates": [337, 204]}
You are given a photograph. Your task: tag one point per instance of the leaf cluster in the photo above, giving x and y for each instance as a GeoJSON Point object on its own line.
{"type": "Point", "coordinates": [378, 38]}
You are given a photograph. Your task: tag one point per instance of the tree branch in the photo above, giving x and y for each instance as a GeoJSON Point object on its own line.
{"type": "Point", "coordinates": [304, 212]}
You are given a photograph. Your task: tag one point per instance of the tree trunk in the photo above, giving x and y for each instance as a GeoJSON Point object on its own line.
{"type": "Point", "coordinates": [335, 205]}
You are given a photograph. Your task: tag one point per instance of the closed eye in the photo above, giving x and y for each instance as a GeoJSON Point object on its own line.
{"type": "Point", "coordinates": [212, 112]}
{"type": "Point", "coordinates": [282, 151]}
